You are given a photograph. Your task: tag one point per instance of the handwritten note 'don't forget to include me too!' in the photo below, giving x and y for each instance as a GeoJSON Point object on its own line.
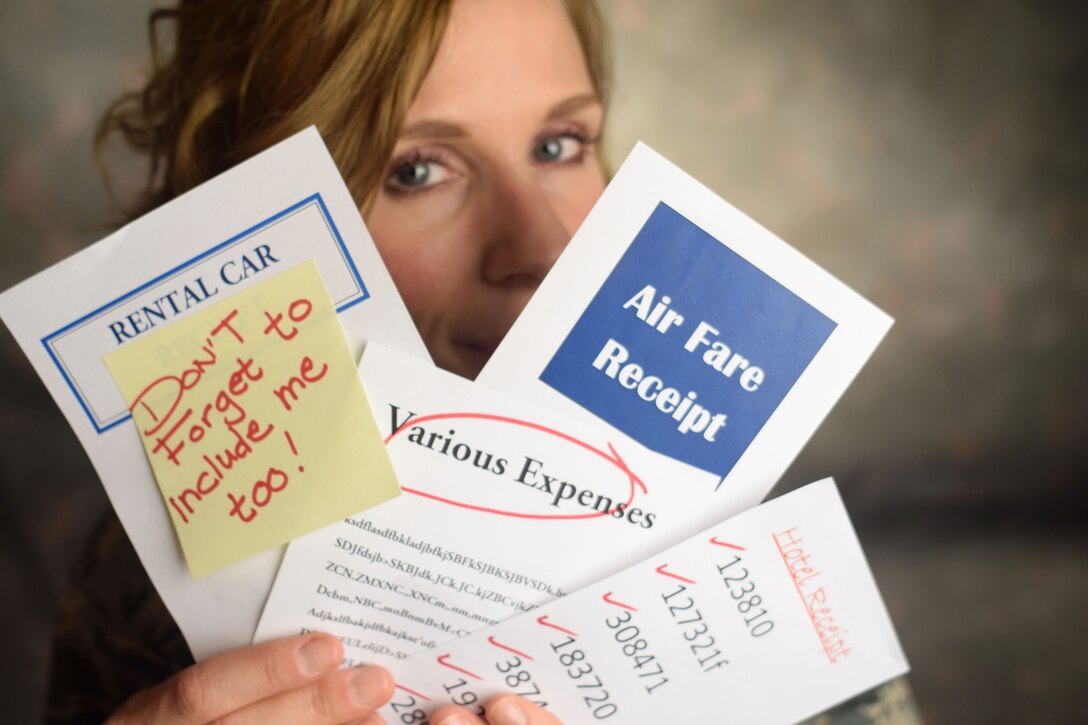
{"type": "Point", "coordinates": [254, 420]}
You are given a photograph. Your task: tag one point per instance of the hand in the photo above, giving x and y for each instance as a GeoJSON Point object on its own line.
{"type": "Point", "coordinates": [501, 710]}
{"type": "Point", "coordinates": [289, 680]}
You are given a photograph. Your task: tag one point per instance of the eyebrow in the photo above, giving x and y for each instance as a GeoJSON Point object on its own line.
{"type": "Point", "coordinates": [445, 129]}
{"type": "Point", "coordinates": [572, 104]}
{"type": "Point", "coordinates": [431, 129]}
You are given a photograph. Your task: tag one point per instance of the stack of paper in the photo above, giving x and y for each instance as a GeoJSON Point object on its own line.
{"type": "Point", "coordinates": [580, 525]}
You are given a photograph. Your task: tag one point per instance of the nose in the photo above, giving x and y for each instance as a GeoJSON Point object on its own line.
{"type": "Point", "coordinates": [528, 234]}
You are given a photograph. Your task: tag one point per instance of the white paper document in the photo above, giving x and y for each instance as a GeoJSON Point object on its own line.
{"type": "Point", "coordinates": [676, 320]}
{"type": "Point", "coordinates": [283, 207]}
{"type": "Point", "coordinates": [769, 617]}
{"type": "Point", "coordinates": [505, 507]}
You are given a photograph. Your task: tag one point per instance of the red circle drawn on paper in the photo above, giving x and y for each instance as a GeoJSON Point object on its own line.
{"type": "Point", "coordinates": [632, 479]}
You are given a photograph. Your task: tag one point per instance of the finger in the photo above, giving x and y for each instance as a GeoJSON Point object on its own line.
{"type": "Point", "coordinates": [227, 682]}
{"type": "Point", "coordinates": [338, 697]}
{"type": "Point", "coordinates": [514, 710]}
{"type": "Point", "coordinates": [371, 719]}
{"type": "Point", "coordinates": [454, 715]}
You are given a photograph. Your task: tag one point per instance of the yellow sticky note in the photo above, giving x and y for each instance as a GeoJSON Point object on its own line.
{"type": "Point", "coordinates": [255, 421]}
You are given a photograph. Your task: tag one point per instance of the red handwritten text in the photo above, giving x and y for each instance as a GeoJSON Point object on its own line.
{"type": "Point", "coordinates": [814, 598]}
{"type": "Point", "coordinates": [209, 428]}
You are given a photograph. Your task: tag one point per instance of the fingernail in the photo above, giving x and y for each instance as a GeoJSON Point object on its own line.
{"type": "Point", "coordinates": [371, 685]}
{"type": "Point", "coordinates": [318, 655]}
{"type": "Point", "coordinates": [507, 711]}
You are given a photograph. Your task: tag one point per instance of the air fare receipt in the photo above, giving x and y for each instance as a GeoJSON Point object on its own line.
{"type": "Point", "coordinates": [769, 617]}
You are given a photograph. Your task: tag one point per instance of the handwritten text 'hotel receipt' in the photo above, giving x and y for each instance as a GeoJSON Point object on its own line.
{"type": "Point", "coordinates": [769, 617]}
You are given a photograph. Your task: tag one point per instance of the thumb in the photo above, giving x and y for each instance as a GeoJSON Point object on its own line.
{"type": "Point", "coordinates": [514, 710]}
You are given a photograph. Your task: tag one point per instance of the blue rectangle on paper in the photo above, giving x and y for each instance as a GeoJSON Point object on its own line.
{"type": "Point", "coordinates": [622, 368]}
{"type": "Point", "coordinates": [49, 341]}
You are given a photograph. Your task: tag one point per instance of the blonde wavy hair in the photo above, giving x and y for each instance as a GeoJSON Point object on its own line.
{"type": "Point", "coordinates": [229, 78]}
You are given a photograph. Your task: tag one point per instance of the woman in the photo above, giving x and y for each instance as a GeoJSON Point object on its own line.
{"type": "Point", "coordinates": [467, 132]}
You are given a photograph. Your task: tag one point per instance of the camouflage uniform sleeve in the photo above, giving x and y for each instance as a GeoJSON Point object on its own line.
{"type": "Point", "coordinates": [113, 637]}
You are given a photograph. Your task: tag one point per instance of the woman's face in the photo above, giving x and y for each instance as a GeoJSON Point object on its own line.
{"type": "Point", "coordinates": [495, 168]}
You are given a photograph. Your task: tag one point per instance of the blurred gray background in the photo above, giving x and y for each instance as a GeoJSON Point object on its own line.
{"type": "Point", "coordinates": [932, 155]}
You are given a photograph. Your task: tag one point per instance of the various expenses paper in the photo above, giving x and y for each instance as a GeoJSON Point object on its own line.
{"type": "Point", "coordinates": [769, 617]}
{"type": "Point", "coordinates": [254, 420]}
{"type": "Point", "coordinates": [505, 507]}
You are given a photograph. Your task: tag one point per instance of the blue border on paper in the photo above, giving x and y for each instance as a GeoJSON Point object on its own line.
{"type": "Point", "coordinates": [363, 294]}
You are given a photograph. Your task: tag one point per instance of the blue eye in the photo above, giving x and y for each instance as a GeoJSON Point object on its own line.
{"type": "Point", "coordinates": [418, 173]}
{"type": "Point", "coordinates": [565, 147]}
{"type": "Point", "coordinates": [413, 175]}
